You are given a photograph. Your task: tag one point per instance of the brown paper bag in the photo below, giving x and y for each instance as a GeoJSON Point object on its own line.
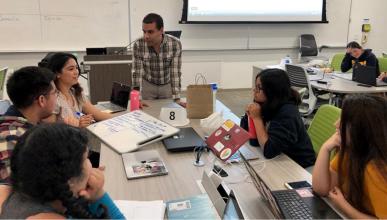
{"type": "Point", "coordinates": [199, 99]}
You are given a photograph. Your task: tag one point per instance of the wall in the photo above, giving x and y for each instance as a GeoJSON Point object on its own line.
{"type": "Point", "coordinates": [233, 68]}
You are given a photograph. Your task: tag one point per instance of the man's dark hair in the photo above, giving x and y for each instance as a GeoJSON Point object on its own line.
{"type": "Point", "coordinates": [27, 84]}
{"type": "Point", "coordinates": [354, 44]}
{"type": "Point", "coordinates": [152, 17]}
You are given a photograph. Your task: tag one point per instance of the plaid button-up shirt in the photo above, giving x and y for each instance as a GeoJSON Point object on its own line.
{"type": "Point", "coordinates": [11, 128]}
{"type": "Point", "coordinates": [158, 69]}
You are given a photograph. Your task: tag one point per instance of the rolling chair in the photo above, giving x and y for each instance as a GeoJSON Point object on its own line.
{"type": "Point", "coordinates": [382, 64]}
{"type": "Point", "coordinates": [176, 34]}
{"type": "Point", "coordinates": [336, 61]}
{"type": "Point", "coordinates": [323, 125]}
{"type": "Point", "coordinates": [299, 79]}
{"type": "Point", "coordinates": [308, 48]}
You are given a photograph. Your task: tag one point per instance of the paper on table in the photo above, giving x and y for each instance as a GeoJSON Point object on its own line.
{"type": "Point", "coordinates": [141, 209]}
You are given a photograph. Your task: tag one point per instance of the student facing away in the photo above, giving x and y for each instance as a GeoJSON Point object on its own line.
{"type": "Point", "coordinates": [356, 179]}
{"type": "Point", "coordinates": [53, 179]}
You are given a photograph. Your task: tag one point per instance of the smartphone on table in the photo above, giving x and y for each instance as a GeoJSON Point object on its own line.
{"type": "Point", "coordinates": [298, 185]}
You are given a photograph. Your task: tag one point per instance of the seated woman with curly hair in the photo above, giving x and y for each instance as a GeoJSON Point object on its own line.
{"type": "Point", "coordinates": [52, 178]}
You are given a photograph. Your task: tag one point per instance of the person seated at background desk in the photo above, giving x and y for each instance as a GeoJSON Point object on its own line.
{"type": "Point", "coordinates": [157, 62]}
{"type": "Point", "coordinates": [357, 55]}
{"type": "Point", "coordinates": [72, 106]}
{"type": "Point", "coordinates": [52, 178]}
{"type": "Point", "coordinates": [383, 76]}
{"type": "Point", "coordinates": [356, 179]}
{"type": "Point", "coordinates": [277, 121]}
{"type": "Point", "coordinates": [33, 94]}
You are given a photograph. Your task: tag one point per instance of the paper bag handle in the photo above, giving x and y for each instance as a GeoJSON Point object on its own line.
{"type": "Point", "coordinates": [198, 77]}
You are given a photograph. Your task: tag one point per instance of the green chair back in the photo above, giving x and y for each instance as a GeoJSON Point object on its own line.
{"type": "Point", "coordinates": [336, 61]}
{"type": "Point", "coordinates": [323, 125]}
{"type": "Point", "coordinates": [382, 64]}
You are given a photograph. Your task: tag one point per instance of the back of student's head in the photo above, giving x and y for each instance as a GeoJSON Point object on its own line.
{"type": "Point", "coordinates": [363, 129]}
{"type": "Point", "coordinates": [56, 62]}
{"type": "Point", "coordinates": [153, 17]}
{"type": "Point", "coordinates": [354, 45]}
{"type": "Point", "coordinates": [276, 86]}
{"type": "Point", "coordinates": [44, 160]}
{"type": "Point", "coordinates": [27, 84]}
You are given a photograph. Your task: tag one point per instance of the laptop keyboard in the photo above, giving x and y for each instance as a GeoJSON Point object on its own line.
{"type": "Point", "coordinates": [112, 107]}
{"type": "Point", "coordinates": [292, 205]}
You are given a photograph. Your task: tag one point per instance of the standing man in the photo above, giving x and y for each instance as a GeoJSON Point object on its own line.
{"type": "Point", "coordinates": [157, 62]}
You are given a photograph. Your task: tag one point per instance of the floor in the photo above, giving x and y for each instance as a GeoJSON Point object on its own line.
{"type": "Point", "coordinates": [235, 99]}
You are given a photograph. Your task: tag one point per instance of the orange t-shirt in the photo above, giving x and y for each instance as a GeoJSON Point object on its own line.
{"type": "Point", "coordinates": [375, 189]}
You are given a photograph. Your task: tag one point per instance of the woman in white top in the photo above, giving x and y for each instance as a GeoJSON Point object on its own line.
{"type": "Point", "coordinates": [72, 106]}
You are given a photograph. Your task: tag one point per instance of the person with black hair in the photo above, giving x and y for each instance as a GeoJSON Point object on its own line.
{"type": "Point", "coordinates": [72, 106]}
{"type": "Point", "coordinates": [52, 178]}
{"type": "Point", "coordinates": [276, 118]}
{"type": "Point", "coordinates": [33, 94]}
{"type": "Point", "coordinates": [356, 178]}
{"type": "Point", "coordinates": [356, 55]}
{"type": "Point", "coordinates": [157, 62]}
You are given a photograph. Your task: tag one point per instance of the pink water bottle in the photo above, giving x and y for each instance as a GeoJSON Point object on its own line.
{"type": "Point", "coordinates": [134, 100]}
{"type": "Point", "coordinates": [253, 133]}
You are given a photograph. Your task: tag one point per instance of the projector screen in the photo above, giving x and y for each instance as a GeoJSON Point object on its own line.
{"type": "Point", "coordinates": [251, 11]}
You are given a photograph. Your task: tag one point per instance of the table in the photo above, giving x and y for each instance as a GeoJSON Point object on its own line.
{"type": "Point", "coordinates": [183, 176]}
{"type": "Point", "coordinates": [340, 85]}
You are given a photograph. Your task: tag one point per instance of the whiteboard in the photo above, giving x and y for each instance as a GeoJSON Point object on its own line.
{"type": "Point", "coordinates": [62, 25]}
{"type": "Point", "coordinates": [130, 131]}
{"type": "Point", "coordinates": [243, 36]}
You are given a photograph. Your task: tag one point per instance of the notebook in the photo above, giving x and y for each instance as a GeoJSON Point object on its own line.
{"type": "Point", "coordinates": [131, 131]}
{"type": "Point", "coordinates": [227, 139]}
{"type": "Point", "coordinates": [143, 164]}
{"type": "Point", "coordinates": [140, 209]}
{"type": "Point", "coordinates": [186, 140]}
{"type": "Point", "coordinates": [196, 207]}
{"type": "Point", "coordinates": [119, 99]}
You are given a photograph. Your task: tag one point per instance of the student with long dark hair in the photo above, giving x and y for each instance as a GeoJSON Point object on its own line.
{"type": "Point", "coordinates": [277, 122]}
{"type": "Point", "coordinates": [356, 55]}
{"type": "Point", "coordinates": [356, 179]}
{"type": "Point", "coordinates": [52, 178]}
{"type": "Point", "coordinates": [70, 94]}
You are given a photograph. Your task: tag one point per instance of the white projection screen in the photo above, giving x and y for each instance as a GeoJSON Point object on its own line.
{"type": "Point", "coordinates": [248, 11]}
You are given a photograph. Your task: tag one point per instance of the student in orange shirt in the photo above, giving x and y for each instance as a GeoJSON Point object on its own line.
{"type": "Point", "coordinates": [356, 179]}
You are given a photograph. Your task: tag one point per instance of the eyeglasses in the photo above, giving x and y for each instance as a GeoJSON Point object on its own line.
{"type": "Point", "coordinates": [257, 88]}
{"type": "Point", "coordinates": [54, 92]}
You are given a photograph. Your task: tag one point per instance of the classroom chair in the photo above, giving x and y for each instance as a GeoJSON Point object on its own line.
{"type": "Point", "coordinates": [299, 79]}
{"type": "Point", "coordinates": [336, 61]}
{"type": "Point", "coordinates": [382, 64]}
{"type": "Point", "coordinates": [323, 125]}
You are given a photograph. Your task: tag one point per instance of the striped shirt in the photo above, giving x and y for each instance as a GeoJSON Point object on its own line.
{"type": "Point", "coordinates": [158, 69]}
{"type": "Point", "coordinates": [11, 128]}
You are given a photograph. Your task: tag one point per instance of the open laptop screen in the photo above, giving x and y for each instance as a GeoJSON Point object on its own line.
{"type": "Point", "coordinates": [120, 94]}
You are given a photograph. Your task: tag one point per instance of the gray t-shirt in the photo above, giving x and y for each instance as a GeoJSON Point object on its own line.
{"type": "Point", "coordinates": [20, 206]}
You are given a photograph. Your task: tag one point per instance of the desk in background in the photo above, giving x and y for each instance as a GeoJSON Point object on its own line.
{"type": "Point", "coordinates": [340, 85]}
{"type": "Point", "coordinates": [182, 179]}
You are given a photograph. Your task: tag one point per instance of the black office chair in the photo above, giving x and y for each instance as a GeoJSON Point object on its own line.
{"type": "Point", "coordinates": [176, 34]}
{"type": "Point", "coordinates": [308, 48]}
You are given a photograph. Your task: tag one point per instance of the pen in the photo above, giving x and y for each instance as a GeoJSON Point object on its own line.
{"type": "Point", "coordinates": [80, 114]}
